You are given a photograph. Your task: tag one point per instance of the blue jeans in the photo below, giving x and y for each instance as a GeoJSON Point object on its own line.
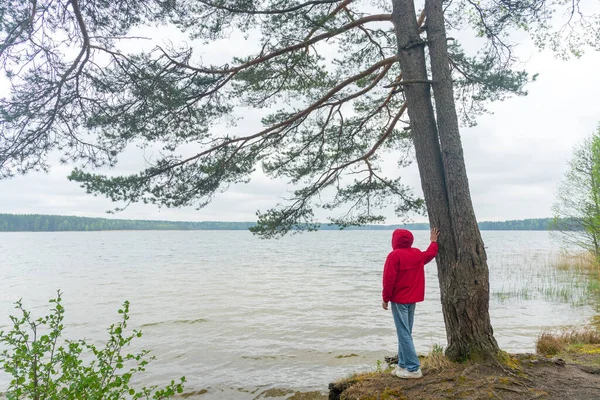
{"type": "Point", "coordinates": [404, 315]}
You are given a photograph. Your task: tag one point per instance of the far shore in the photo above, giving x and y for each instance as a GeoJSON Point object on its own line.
{"type": "Point", "coordinates": [61, 223]}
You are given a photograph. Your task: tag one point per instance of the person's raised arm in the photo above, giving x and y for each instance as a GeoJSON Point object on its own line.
{"type": "Point", "coordinates": [432, 250]}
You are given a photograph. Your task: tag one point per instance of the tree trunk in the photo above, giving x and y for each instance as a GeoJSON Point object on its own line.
{"type": "Point", "coordinates": [422, 120]}
{"type": "Point", "coordinates": [467, 293]}
{"type": "Point", "coordinates": [462, 268]}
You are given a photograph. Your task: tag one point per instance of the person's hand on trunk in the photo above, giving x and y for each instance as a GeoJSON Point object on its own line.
{"type": "Point", "coordinates": [435, 233]}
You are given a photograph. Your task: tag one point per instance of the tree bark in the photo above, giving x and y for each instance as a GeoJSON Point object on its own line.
{"type": "Point", "coordinates": [462, 267]}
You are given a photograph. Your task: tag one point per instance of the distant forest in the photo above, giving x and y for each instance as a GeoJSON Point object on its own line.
{"type": "Point", "coordinates": [57, 223]}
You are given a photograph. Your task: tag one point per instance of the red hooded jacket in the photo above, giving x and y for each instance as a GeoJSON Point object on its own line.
{"type": "Point", "coordinates": [404, 272]}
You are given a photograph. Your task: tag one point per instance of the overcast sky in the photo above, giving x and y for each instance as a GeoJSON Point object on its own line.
{"type": "Point", "coordinates": [515, 157]}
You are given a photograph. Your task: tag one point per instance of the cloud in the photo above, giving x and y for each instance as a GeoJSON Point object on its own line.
{"type": "Point", "coordinates": [517, 156]}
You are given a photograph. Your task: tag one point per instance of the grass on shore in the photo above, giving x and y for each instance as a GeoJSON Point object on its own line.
{"type": "Point", "coordinates": [435, 360]}
{"type": "Point", "coordinates": [568, 340]}
{"type": "Point", "coordinates": [584, 263]}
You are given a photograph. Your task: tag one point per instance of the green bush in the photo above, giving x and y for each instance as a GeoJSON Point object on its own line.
{"type": "Point", "coordinates": [44, 366]}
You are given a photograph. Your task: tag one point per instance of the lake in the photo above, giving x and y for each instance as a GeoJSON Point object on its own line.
{"type": "Point", "coordinates": [236, 314]}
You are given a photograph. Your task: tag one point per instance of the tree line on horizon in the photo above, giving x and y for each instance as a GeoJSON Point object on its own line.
{"type": "Point", "coordinates": [60, 223]}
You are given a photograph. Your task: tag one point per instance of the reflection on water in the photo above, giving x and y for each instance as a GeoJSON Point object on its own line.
{"type": "Point", "coordinates": [230, 311]}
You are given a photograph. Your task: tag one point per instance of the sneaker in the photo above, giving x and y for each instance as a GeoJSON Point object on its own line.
{"type": "Point", "coordinates": [405, 374]}
{"type": "Point", "coordinates": [398, 370]}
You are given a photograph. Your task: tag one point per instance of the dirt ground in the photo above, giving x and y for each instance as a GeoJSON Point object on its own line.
{"type": "Point", "coordinates": [574, 376]}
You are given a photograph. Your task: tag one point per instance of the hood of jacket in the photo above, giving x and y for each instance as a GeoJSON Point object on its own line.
{"type": "Point", "coordinates": [402, 239]}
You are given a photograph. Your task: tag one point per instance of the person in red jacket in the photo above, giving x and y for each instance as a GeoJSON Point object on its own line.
{"type": "Point", "coordinates": [403, 286]}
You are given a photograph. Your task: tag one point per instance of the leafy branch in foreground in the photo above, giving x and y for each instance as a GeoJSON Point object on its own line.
{"type": "Point", "coordinates": [43, 365]}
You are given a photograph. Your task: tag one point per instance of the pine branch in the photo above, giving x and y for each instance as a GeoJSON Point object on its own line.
{"type": "Point", "coordinates": [18, 30]}
{"type": "Point", "coordinates": [318, 104]}
{"type": "Point", "coordinates": [267, 12]}
{"type": "Point", "coordinates": [329, 17]}
{"type": "Point", "coordinates": [278, 222]}
{"type": "Point", "coordinates": [285, 50]}
{"type": "Point", "coordinates": [386, 134]}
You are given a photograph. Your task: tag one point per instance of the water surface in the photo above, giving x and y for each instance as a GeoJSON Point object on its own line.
{"type": "Point", "coordinates": [236, 314]}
